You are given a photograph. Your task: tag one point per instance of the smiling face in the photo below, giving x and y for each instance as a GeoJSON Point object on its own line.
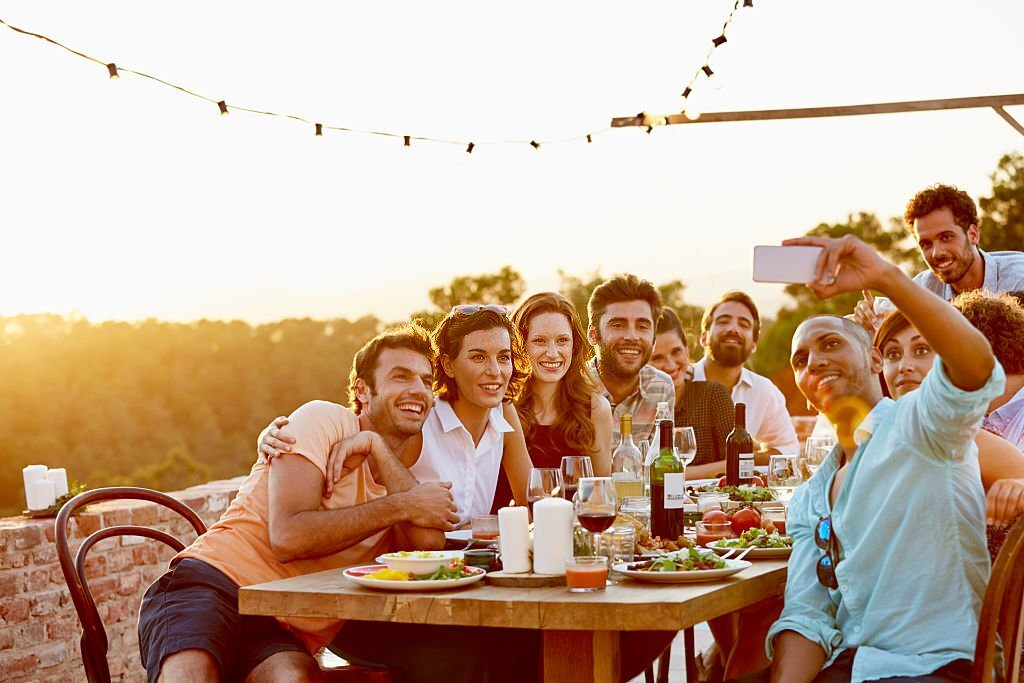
{"type": "Point", "coordinates": [730, 337]}
{"type": "Point", "coordinates": [906, 359]}
{"type": "Point", "coordinates": [549, 346]}
{"type": "Point", "coordinates": [670, 356]}
{"type": "Point", "coordinates": [400, 399]}
{"type": "Point", "coordinates": [482, 368]}
{"type": "Point", "coordinates": [624, 338]}
{"type": "Point", "coordinates": [830, 363]}
{"type": "Point", "coordinates": [948, 249]}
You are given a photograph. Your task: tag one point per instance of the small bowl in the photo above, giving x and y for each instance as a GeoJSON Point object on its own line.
{"type": "Point", "coordinates": [419, 562]}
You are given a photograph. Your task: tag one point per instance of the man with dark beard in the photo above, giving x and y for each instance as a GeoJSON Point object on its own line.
{"type": "Point", "coordinates": [729, 331]}
{"type": "Point", "coordinates": [624, 313]}
{"type": "Point", "coordinates": [944, 223]}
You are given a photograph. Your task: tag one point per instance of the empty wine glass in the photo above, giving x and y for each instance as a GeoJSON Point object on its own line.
{"type": "Point", "coordinates": [574, 468]}
{"type": "Point", "coordinates": [816, 450]}
{"type": "Point", "coordinates": [595, 505]}
{"type": "Point", "coordinates": [543, 482]}
{"type": "Point", "coordinates": [784, 475]}
{"type": "Point", "coordinates": [685, 442]}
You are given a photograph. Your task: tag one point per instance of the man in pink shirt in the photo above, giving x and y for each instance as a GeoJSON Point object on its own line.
{"type": "Point", "coordinates": [281, 524]}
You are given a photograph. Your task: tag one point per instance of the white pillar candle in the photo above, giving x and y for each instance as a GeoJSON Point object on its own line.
{"type": "Point", "coordinates": [42, 495]}
{"type": "Point", "coordinates": [31, 475]}
{"type": "Point", "coordinates": [59, 477]}
{"type": "Point", "coordinates": [552, 535]}
{"type": "Point", "coordinates": [514, 535]}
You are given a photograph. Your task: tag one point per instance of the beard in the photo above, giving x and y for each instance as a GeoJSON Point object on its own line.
{"type": "Point", "coordinates": [609, 363]}
{"type": "Point", "coordinates": [387, 418]}
{"type": "Point", "coordinates": [727, 355]}
{"type": "Point", "coordinates": [964, 261]}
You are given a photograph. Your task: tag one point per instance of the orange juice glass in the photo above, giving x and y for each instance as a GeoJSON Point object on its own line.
{"type": "Point", "coordinates": [586, 574]}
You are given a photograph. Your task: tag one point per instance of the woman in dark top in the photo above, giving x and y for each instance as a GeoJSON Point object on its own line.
{"type": "Point", "coordinates": [560, 409]}
{"type": "Point", "coordinates": [705, 406]}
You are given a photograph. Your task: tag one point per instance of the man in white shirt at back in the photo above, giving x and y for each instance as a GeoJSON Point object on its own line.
{"type": "Point", "coordinates": [729, 331]}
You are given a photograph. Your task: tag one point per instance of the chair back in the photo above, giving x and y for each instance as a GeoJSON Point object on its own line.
{"type": "Point", "coordinates": [94, 636]}
{"type": "Point", "coordinates": [1001, 613]}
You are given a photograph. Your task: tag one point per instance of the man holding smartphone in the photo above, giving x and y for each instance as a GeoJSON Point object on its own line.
{"type": "Point", "coordinates": [889, 563]}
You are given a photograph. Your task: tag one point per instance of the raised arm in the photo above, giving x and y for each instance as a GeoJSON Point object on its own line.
{"type": "Point", "coordinates": [849, 265]}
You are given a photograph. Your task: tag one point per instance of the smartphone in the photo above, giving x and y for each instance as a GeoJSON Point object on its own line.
{"type": "Point", "coordinates": [796, 264]}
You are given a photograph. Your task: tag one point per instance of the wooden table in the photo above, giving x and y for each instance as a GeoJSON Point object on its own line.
{"type": "Point", "coordinates": [581, 631]}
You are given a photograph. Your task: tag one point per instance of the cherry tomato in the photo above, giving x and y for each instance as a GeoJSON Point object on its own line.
{"type": "Point", "coordinates": [746, 518]}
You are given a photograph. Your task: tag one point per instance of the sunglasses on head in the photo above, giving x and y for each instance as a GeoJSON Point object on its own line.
{"type": "Point", "coordinates": [470, 309]}
{"type": "Point", "coordinates": [826, 540]}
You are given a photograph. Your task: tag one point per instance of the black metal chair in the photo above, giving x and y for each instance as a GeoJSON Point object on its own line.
{"type": "Point", "coordinates": [94, 636]}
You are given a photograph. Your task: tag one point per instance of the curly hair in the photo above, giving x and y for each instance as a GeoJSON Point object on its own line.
{"type": "Point", "coordinates": [965, 213]}
{"type": "Point", "coordinates": [738, 297]}
{"type": "Point", "coordinates": [447, 341]}
{"type": "Point", "coordinates": [620, 288]}
{"type": "Point", "coordinates": [1001, 319]}
{"type": "Point", "coordinates": [575, 390]}
{"type": "Point", "coordinates": [364, 364]}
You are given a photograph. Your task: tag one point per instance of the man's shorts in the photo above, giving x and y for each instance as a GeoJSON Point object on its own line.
{"type": "Point", "coordinates": [194, 606]}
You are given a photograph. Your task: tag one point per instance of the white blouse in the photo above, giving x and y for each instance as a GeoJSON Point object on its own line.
{"type": "Point", "coordinates": [449, 454]}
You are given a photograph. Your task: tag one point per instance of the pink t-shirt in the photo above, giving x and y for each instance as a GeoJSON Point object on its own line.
{"type": "Point", "coordinates": [238, 544]}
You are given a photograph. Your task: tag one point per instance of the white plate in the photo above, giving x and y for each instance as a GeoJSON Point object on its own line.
{"type": "Point", "coordinates": [755, 553]}
{"type": "Point", "coordinates": [459, 534]}
{"type": "Point", "coordinates": [732, 566]}
{"type": "Point", "coordinates": [358, 575]}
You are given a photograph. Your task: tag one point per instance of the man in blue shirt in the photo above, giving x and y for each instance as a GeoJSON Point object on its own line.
{"type": "Point", "coordinates": [889, 564]}
{"type": "Point", "coordinates": [944, 222]}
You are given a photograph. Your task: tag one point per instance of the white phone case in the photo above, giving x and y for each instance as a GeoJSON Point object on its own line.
{"type": "Point", "coordinates": [792, 265]}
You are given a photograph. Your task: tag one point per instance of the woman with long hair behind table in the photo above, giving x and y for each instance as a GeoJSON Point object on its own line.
{"type": "Point", "coordinates": [560, 409]}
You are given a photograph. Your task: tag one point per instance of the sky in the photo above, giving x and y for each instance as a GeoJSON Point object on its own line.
{"type": "Point", "coordinates": [124, 199]}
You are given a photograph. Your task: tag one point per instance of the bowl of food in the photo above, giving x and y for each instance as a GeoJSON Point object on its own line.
{"type": "Point", "coordinates": [419, 562]}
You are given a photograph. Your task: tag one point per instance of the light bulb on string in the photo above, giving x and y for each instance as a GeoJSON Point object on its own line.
{"type": "Point", "coordinates": [223, 106]}
{"type": "Point", "coordinates": [112, 70]}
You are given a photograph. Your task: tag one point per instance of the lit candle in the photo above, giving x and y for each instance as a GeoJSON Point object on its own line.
{"type": "Point", "coordinates": [514, 532]}
{"type": "Point", "coordinates": [552, 535]}
{"type": "Point", "coordinates": [31, 475]}
{"type": "Point", "coordinates": [59, 477]}
{"type": "Point", "coordinates": [42, 495]}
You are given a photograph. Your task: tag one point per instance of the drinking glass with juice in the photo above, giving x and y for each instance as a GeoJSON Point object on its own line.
{"type": "Point", "coordinates": [586, 574]}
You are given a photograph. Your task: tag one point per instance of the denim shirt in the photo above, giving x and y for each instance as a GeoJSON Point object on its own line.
{"type": "Point", "coordinates": [910, 522]}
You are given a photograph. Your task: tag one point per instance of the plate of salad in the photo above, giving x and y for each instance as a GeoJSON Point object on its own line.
{"type": "Point", "coordinates": [685, 566]}
{"type": "Point", "coordinates": [452, 575]}
{"type": "Point", "coordinates": [762, 544]}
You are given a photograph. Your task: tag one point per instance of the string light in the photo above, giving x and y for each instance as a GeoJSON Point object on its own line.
{"type": "Point", "coordinates": [114, 72]}
{"type": "Point", "coordinates": [748, 3]}
{"type": "Point", "coordinates": [705, 68]}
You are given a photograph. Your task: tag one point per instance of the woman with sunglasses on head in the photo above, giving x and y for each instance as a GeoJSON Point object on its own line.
{"type": "Point", "coordinates": [560, 409]}
{"type": "Point", "coordinates": [474, 433]}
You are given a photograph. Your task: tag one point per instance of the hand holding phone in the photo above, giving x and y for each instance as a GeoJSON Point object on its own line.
{"type": "Point", "coordinates": [789, 264]}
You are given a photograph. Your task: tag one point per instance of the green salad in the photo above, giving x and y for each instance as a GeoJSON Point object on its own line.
{"type": "Point", "coordinates": [691, 560]}
{"type": "Point", "coordinates": [745, 494]}
{"type": "Point", "coordinates": [455, 569]}
{"type": "Point", "coordinates": [756, 538]}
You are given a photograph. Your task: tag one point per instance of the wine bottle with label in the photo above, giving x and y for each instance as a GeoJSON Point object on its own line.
{"type": "Point", "coordinates": [627, 463]}
{"type": "Point", "coordinates": [739, 446]}
{"type": "Point", "coordinates": [668, 488]}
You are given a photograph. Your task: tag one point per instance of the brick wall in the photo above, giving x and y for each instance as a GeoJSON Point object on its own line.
{"type": "Point", "coordinates": [39, 628]}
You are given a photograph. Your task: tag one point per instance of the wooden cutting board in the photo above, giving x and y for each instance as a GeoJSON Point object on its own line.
{"type": "Point", "coordinates": [524, 580]}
